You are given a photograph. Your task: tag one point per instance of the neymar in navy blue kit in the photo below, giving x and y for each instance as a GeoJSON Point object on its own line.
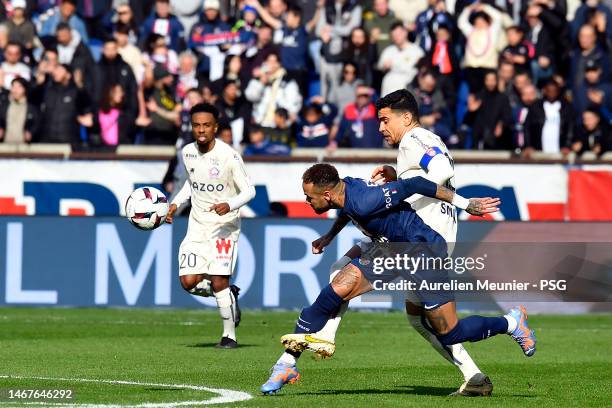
{"type": "Point", "coordinates": [381, 213]}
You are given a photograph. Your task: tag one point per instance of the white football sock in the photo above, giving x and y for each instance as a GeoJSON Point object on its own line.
{"type": "Point", "coordinates": [328, 332]}
{"type": "Point", "coordinates": [287, 358]}
{"type": "Point", "coordinates": [227, 309]}
{"type": "Point", "coordinates": [455, 354]}
{"type": "Point", "coordinates": [203, 288]}
{"type": "Point", "coordinates": [512, 324]}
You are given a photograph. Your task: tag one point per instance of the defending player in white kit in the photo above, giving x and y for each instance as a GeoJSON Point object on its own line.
{"type": "Point", "coordinates": [217, 185]}
{"type": "Point", "coordinates": [421, 153]}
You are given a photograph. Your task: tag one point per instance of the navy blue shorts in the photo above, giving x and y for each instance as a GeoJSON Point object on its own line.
{"type": "Point", "coordinates": [428, 284]}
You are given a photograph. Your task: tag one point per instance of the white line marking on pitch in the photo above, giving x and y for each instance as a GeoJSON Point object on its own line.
{"type": "Point", "coordinates": [225, 396]}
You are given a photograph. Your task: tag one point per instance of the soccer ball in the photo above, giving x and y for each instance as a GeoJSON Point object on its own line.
{"type": "Point", "coordinates": [146, 208]}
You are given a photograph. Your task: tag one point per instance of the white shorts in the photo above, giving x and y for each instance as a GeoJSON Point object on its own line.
{"type": "Point", "coordinates": [214, 257]}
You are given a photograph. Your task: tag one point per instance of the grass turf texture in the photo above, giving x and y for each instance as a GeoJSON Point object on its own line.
{"type": "Point", "coordinates": [379, 361]}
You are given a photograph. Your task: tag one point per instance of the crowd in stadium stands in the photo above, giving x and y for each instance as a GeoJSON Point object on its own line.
{"type": "Point", "coordinates": [520, 75]}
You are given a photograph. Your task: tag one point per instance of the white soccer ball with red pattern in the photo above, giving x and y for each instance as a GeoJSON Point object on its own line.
{"type": "Point", "coordinates": [146, 208]}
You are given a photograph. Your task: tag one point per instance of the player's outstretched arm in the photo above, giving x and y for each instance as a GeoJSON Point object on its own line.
{"type": "Point", "coordinates": [474, 206]}
{"type": "Point", "coordinates": [420, 185]}
{"type": "Point", "coordinates": [325, 240]}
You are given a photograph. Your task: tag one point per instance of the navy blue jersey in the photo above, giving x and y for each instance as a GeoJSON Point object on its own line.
{"type": "Point", "coordinates": [381, 213]}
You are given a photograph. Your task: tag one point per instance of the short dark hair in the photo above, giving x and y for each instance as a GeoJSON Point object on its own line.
{"type": "Point", "coordinates": [63, 26]}
{"type": "Point", "coordinates": [397, 24]}
{"type": "Point", "coordinates": [322, 175]}
{"type": "Point", "coordinates": [123, 29]}
{"type": "Point", "coordinates": [282, 112]}
{"type": "Point", "coordinates": [295, 10]}
{"type": "Point", "coordinates": [401, 100]}
{"type": "Point", "coordinates": [204, 108]}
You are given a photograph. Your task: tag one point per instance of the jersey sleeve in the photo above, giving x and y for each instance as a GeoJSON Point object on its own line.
{"type": "Point", "coordinates": [184, 193]}
{"type": "Point", "coordinates": [243, 183]}
{"type": "Point", "coordinates": [419, 154]}
{"type": "Point", "coordinates": [374, 200]}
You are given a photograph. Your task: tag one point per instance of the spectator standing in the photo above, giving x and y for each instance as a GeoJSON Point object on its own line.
{"type": "Point", "coordinates": [271, 89]}
{"type": "Point", "coordinates": [21, 29]}
{"type": "Point", "coordinates": [549, 126]}
{"type": "Point", "coordinates": [64, 108]}
{"type": "Point", "coordinates": [490, 116]}
{"type": "Point", "coordinates": [24, 122]}
{"type": "Point", "coordinates": [115, 118]}
{"type": "Point", "coordinates": [482, 26]}
{"type": "Point", "coordinates": [294, 41]}
{"type": "Point", "coordinates": [164, 23]}
{"type": "Point", "coordinates": [12, 67]}
{"type": "Point", "coordinates": [210, 39]}
{"type": "Point", "coordinates": [359, 124]}
{"type": "Point", "coordinates": [163, 108]}
{"type": "Point", "coordinates": [399, 60]}
{"type": "Point", "coordinates": [345, 92]}
{"type": "Point", "coordinates": [378, 25]}
{"type": "Point", "coordinates": [340, 18]}
{"type": "Point", "coordinates": [64, 13]}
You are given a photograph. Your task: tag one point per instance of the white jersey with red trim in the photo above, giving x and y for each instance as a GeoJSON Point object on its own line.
{"type": "Point", "coordinates": [422, 153]}
{"type": "Point", "coordinates": [214, 177]}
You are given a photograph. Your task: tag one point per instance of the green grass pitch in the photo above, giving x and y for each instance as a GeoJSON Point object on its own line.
{"type": "Point", "coordinates": [379, 361]}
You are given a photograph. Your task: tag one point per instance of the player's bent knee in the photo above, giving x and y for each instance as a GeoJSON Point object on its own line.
{"type": "Point", "coordinates": [454, 336]}
{"type": "Point", "coordinates": [190, 281]}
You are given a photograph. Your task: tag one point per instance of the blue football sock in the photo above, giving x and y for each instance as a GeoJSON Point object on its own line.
{"type": "Point", "coordinates": [474, 328]}
{"type": "Point", "coordinates": [313, 318]}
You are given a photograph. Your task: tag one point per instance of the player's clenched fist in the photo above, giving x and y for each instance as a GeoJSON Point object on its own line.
{"type": "Point", "coordinates": [319, 244]}
{"type": "Point", "coordinates": [171, 212]}
{"type": "Point", "coordinates": [221, 208]}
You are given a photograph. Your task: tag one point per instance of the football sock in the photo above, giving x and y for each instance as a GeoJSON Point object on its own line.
{"type": "Point", "coordinates": [313, 318]}
{"type": "Point", "coordinates": [328, 332]}
{"type": "Point", "coordinates": [203, 288]}
{"type": "Point", "coordinates": [227, 309]}
{"type": "Point", "coordinates": [456, 354]}
{"type": "Point", "coordinates": [474, 328]}
{"type": "Point", "coordinates": [512, 324]}
{"type": "Point", "coordinates": [288, 358]}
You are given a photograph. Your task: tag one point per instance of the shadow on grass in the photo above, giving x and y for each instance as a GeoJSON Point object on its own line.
{"type": "Point", "coordinates": [212, 345]}
{"type": "Point", "coordinates": [401, 390]}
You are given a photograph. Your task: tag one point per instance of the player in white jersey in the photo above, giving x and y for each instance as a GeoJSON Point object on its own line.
{"type": "Point", "coordinates": [217, 185]}
{"type": "Point", "coordinates": [421, 153]}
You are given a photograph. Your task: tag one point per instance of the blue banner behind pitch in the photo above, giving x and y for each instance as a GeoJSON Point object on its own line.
{"type": "Point", "coordinates": [102, 261]}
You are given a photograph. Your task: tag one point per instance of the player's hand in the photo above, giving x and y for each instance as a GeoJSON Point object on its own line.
{"type": "Point", "coordinates": [170, 215]}
{"type": "Point", "coordinates": [319, 244]}
{"type": "Point", "coordinates": [383, 174]}
{"type": "Point", "coordinates": [221, 208]}
{"type": "Point", "coordinates": [481, 206]}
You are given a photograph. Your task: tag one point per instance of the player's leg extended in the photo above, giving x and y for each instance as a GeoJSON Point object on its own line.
{"type": "Point", "coordinates": [476, 383]}
{"type": "Point", "coordinates": [452, 330]}
{"type": "Point", "coordinates": [348, 283]}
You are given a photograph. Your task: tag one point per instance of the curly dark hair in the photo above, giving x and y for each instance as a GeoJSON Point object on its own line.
{"type": "Point", "coordinates": [322, 175]}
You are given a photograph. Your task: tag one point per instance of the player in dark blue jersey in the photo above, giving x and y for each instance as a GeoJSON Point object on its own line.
{"type": "Point", "coordinates": [381, 213]}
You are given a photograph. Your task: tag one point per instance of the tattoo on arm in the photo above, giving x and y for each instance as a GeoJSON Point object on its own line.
{"type": "Point", "coordinates": [444, 194]}
{"type": "Point", "coordinates": [475, 207]}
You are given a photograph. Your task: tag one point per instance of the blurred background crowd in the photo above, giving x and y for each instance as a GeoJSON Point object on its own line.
{"type": "Point", "coordinates": [520, 75]}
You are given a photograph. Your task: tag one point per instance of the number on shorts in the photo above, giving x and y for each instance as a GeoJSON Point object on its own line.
{"type": "Point", "coordinates": [190, 259]}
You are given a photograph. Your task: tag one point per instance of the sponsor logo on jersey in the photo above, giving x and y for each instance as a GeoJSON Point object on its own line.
{"type": "Point", "coordinates": [207, 187]}
{"type": "Point", "coordinates": [430, 152]}
{"type": "Point", "coordinates": [223, 245]}
{"type": "Point", "coordinates": [214, 172]}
